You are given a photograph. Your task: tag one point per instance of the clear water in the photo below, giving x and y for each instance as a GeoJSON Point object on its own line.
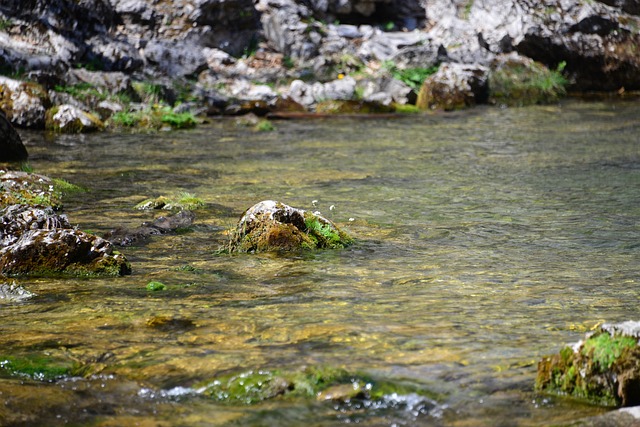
{"type": "Point", "coordinates": [485, 240]}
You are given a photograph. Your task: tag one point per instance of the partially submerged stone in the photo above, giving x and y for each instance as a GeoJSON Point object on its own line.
{"type": "Point", "coordinates": [273, 226]}
{"type": "Point", "coordinates": [61, 251]}
{"type": "Point", "coordinates": [69, 119]}
{"type": "Point", "coordinates": [454, 87]}
{"type": "Point", "coordinates": [11, 293]}
{"type": "Point", "coordinates": [348, 390]}
{"type": "Point", "coordinates": [604, 368]}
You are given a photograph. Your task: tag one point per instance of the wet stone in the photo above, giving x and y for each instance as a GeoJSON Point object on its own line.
{"type": "Point", "coordinates": [604, 368]}
{"type": "Point", "coordinates": [274, 226]}
{"type": "Point", "coordinates": [62, 251]}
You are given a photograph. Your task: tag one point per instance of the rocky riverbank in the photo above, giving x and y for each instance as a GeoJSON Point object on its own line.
{"type": "Point", "coordinates": [77, 66]}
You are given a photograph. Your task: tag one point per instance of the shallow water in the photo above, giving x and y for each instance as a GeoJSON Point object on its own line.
{"type": "Point", "coordinates": [485, 240]}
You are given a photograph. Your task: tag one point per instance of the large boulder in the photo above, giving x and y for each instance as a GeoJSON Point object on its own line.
{"type": "Point", "coordinates": [11, 147]}
{"type": "Point", "coordinates": [274, 226]}
{"type": "Point", "coordinates": [604, 368]}
{"type": "Point", "coordinates": [453, 87]}
{"type": "Point", "coordinates": [598, 42]}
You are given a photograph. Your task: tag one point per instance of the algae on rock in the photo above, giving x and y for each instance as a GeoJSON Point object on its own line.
{"type": "Point", "coordinates": [273, 226]}
{"type": "Point", "coordinates": [603, 369]}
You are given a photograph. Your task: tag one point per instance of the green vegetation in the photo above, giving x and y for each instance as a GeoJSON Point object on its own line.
{"type": "Point", "coordinates": [64, 188]}
{"type": "Point", "coordinates": [595, 372]}
{"type": "Point", "coordinates": [264, 126]}
{"type": "Point", "coordinates": [37, 367]}
{"type": "Point", "coordinates": [154, 286]}
{"type": "Point", "coordinates": [322, 383]}
{"type": "Point", "coordinates": [467, 9]}
{"type": "Point", "coordinates": [324, 234]}
{"type": "Point", "coordinates": [155, 117]}
{"type": "Point", "coordinates": [518, 84]}
{"type": "Point", "coordinates": [5, 24]}
{"type": "Point", "coordinates": [182, 201]}
{"type": "Point", "coordinates": [412, 77]}
{"type": "Point", "coordinates": [407, 108]}
{"type": "Point", "coordinates": [605, 349]}
{"type": "Point", "coordinates": [83, 92]}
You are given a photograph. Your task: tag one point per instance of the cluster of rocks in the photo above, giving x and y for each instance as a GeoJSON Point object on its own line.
{"type": "Point", "coordinates": [37, 240]}
{"type": "Point", "coordinates": [235, 56]}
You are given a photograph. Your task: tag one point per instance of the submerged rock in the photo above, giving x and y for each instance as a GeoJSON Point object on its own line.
{"type": "Point", "coordinates": [161, 225]}
{"type": "Point", "coordinates": [347, 391]}
{"type": "Point", "coordinates": [11, 147]}
{"type": "Point", "coordinates": [13, 293]}
{"type": "Point", "coordinates": [604, 368]}
{"type": "Point", "coordinates": [61, 251]}
{"type": "Point", "coordinates": [273, 226]}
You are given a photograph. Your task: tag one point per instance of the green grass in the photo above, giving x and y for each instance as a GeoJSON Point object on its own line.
{"type": "Point", "coordinates": [5, 24]}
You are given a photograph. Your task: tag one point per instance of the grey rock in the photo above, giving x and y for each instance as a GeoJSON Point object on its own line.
{"type": "Point", "coordinates": [11, 293]}
{"type": "Point", "coordinates": [17, 219]}
{"type": "Point", "coordinates": [28, 102]}
{"type": "Point", "coordinates": [70, 119]}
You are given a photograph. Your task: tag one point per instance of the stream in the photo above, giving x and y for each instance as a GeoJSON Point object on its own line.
{"type": "Point", "coordinates": [485, 240]}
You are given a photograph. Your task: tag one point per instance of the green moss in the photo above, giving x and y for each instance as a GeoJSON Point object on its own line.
{"type": "Point", "coordinates": [36, 366]}
{"type": "Point", "coordinates": [154, 286]}
{"type": "Point", "coordinates": [325, 235]}
{"type": "Point", "coordinates": [605, 349]}
{"type": "Point", "coordinates": [519, 84]}
{"type": "Point", "coordinates": [182, 201]}
{"type": "Point", "coordinates": [65, 187]}
{"type": "Point", "coordinates": [256, 386]}
{"type": "Point", "coordinates": [407, 109]}
{"type": "Point", "coordinates": [264, 126]}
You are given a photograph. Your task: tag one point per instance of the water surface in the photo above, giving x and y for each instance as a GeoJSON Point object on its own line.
{"type": "Point", "coordinates": [485, 240]}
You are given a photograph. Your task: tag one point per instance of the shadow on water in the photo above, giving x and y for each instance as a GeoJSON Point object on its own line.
{"type": "Point", "coordinates": [484, 240]}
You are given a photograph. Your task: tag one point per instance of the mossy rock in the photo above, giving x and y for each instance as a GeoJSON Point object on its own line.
{"type": "Point", "coordinates": [352, 107]}
{"type": "Point", "coordinates": [603, 369]}
{"type": "Point", "coordinates": [319, 383]}
{"type": "Point", "coordinates": [69, 119]}
{"type": "Point", "coordinates": [454, 87]}
{"type": "Point", "coordinates": [57, 252]}
{"type": "Point", "coordinates": [28, 189]}
{"type": "Point", "coordinates": [518, 81]}
{"type": "Point", "coordinates": [274, 226]}
{"type": "Point", "coordinates": [37, 366]}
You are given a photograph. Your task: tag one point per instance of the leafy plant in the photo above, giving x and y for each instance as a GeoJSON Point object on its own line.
{"type": "Point", "coordinates": [412, 77]}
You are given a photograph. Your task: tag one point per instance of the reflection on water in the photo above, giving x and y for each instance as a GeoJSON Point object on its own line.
{"type": "Point", "coordinates": [485, 240]}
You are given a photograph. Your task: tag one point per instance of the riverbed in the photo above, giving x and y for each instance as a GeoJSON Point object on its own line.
{"type": "Point", "coordinates": [485, 240]}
